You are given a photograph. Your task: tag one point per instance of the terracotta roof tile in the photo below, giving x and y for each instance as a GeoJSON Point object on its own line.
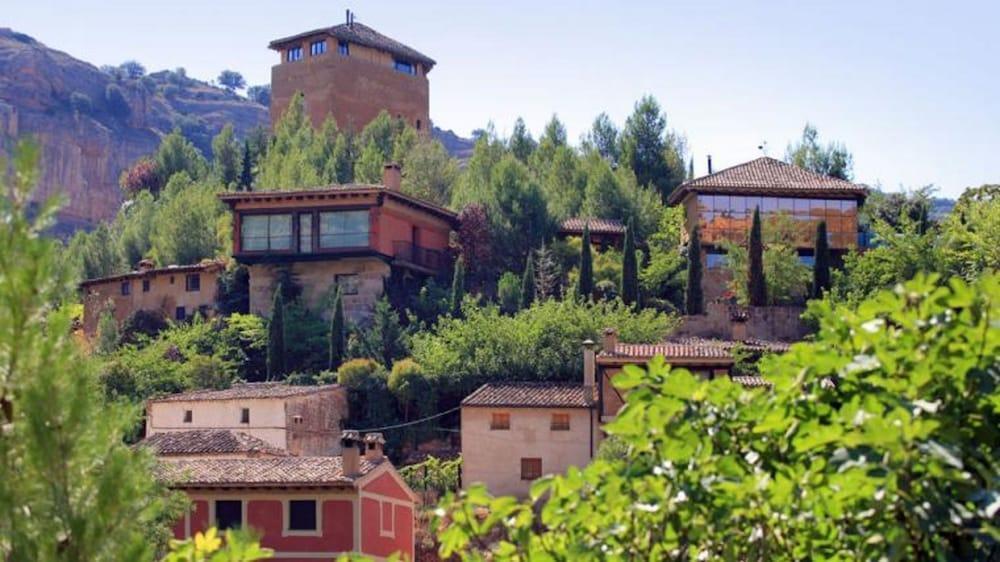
{"type": "Point", "coordinates": [204, 266]}
{"type": "Point", "coordinates": [246, 391]}
{"type": "Point", "coordinates": [597, 226]}
{"type": "Point", "coordinates": [272, 472]}
{"type": "Point", "coordinates": [532, 395]}
{"type": "Point", "coordinates": [691, 348]}
{"type": "Point", "coordinates": [362, 35]}
{"type": "Point", "coordinates": [209, 442]}
{"type": "Point", "coordinates": [751, 381]}
{"type": "Point", "coordinates": [767, 175]}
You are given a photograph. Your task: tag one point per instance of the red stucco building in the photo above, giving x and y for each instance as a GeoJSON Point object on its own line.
{"type": "Point", "coordinates": [305, 508]}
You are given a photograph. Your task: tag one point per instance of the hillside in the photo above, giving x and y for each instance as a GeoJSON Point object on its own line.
{"type": "Point", "coordinates": [92, 125]}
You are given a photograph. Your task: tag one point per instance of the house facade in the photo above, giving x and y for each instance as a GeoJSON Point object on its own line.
{"type": "Point", "coordinates": [249, 417]}
{"type": "Point", "coordinates": [351, 72]}
{"type": "Point", "coordinates": [176, 292]}
{"type": "Point", "coordinates": [722, 204]}
{"type": "Point", "coordinates": [355, 237]}
{"type": "Point", "coordinates": [305, 508]}
{"type": "Point", "coordinates": [606, 233]}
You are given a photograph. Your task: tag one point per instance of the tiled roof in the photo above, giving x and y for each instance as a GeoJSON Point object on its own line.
{"type": "Point", "coordinates": [767, 175]}
{"type": "Point", "coordinates": [208, 442]}
{"type": "Point", "coordinates": [274, 472]}
{"type": "Point", "coordinates": [207, 265]}
{"type": "Point", "coordinates": [248, 390]}
{"type": "Point", "coordinates": [751, 381]}
{"type": "Point", "coordinates": [532, 395]}
{"type": "Point", "coordinates": [597, 226]}
{"type": "Point", "coordinates": [335, 191]}
{"type": "Point", "coordinates": [362, 35]}
{"type": "Point", "coordinates": [690, 348]}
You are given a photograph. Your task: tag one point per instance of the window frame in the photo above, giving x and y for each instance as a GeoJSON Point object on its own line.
{"type": "Point", "coordinates": [292, 235]}
{"type": "Point", "coordinates": [192, 282]}
{"type": "Point", "coordinates": [496, 425]}
{"type": "Point", "coordinates": [383, 531]}
{"type": "Point", "coordinates": [527, 463]}
{"type": "Point", "coordinates": [287, 530]}
{"type": "Point", "coordinates": [188, 416]}
{"type": "Point", "coordinates": [317, 47]}
{"type": "Point", "coordinates": [404, 66]}
{"type": "Point", "coordinates": [245, 416]}
{"type": "Point", "coordinates": [344, 48]}
{"type": "Point", "coordinates": [125, 288]}
{"type": "Point", "coordinates": [215, 512]}
{"type": "Point", "coordinates": [349, 283]}
{"type": "Point", "coordinates": [180, 314]}
{"type": "Point", "coordinates": [293, 54]}
{"type": "Point", "coordinates": [319, 247]}
{"type": "Point", "coordinates": [145, 285]}
{"type": "Point", "coordinates": [560, 426]}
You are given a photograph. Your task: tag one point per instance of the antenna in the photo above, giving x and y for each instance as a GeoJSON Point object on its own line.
{"type": "Point", "coordinates": [762, 147]}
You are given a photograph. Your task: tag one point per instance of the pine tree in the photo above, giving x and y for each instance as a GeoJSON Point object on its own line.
{"type": "Point", "coordinates": [821, 263]}
{"type": "Point", "coordinates": [457, 288]}
{"type": "Point", "coordinates": [528, 283]}
{"type": "Point", "coordinates": [337, 333]}
{"type": "Point", "coordinates": [246, 172]}
{"type": "Point", "coordinates": [694, 301]}
{"type": "Point", "coordinates": [547, 274]}
{"type": "Point", "coordinates": [585, 286]}
{"type": "Point", "coordinates": [630, 269]}
{"type": "Point", "coordinates": [756, 284]}
{"type": "Point", "coordinates": [276, 337]}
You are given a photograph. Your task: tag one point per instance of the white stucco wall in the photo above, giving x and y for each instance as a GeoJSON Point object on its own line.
{"type": "Point", "coordinates": [267, 417]}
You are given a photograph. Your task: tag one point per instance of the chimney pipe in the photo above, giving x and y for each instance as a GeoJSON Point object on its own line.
{"type": "Point", "coordinates": [589, 363]}
{"type": "Point", "coordinates": [609, 340]}
{"type": "Point", "coordinates": [350, 454]}
{"type": "Point", "coordinates": [392, 176]}
{"type": "Point", "coordinates": [347, 16]}
{"type": "Point", "coordinates": [374, 447]}
{"type": "Point", "coordinates": [709, 163]}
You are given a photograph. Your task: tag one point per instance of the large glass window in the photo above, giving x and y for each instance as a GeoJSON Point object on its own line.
{"type": "Point", "coordinates": [266, 232]}
{"type": "Point", "coordinates": [727, 217]}
{"type": "Point", "coordinates": [343, 229]}
{"type": "Point", "coordinates": [306, 233]}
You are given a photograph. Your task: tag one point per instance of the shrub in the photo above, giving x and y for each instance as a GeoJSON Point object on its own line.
{"type": "Point", "coordinates": [354, 374]}
{"type": "Point", "coordinates": [509, 292]}
{"type": "Point", "coordinates": [142, 324]}
{"type": "Point", "coordinates": [117, 104]}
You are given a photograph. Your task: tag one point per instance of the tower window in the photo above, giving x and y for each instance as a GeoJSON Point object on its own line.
{"type": "Point", "coordinates": [405, 67]}
{"type": "Point", "coordinates": [245, 415]}
{"type": "Point", "coordinates": [317, 48]}
{"type": "Point", "coordinates": [344, 48]}
{"type": "Point", "coordinates": [294, 54]}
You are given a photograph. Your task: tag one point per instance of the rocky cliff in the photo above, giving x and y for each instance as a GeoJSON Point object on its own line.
{"type": "Point", "coordinates": [93, 124]}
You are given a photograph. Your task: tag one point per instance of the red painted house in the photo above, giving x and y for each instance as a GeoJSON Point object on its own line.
{"type": "Point", "coordinates": [305, 508]}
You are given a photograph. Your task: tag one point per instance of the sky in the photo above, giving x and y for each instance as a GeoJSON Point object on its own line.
{"type": "Point", "coordinates": [911, 88]}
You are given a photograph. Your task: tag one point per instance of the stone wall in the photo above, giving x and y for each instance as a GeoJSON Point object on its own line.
{"type": "Point", "coordinates": [781, 323]}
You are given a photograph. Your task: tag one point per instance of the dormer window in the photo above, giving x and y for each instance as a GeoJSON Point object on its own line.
{"type": "Point", "coordinates": [344, 48]}
{"type": "Point", "coordinates": [294, 54]}
{"type": "Point", "coordinates": [317, 48]}
{"type": "Point", "coordinates": [405, 67]}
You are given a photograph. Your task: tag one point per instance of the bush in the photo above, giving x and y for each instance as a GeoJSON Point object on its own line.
{"type": "Point", "coordinates": [142, 324]}
{"type": "Point", "coordinates": [509, 292]}
{"type": "Point", "coordinates": [117, 104]}
{"type": "Point", "coordinates": [540, 343]}
{"type": "Point", "coordinates": [368, 395]}
{"type": "Point", "coordinates": [356, 373]}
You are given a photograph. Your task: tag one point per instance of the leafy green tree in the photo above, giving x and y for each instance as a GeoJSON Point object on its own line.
{"type": "Point", "coordinates": [133, 69]}
{"type": "Point", "coordinates": [107, 332]}
{"type": "Point", "coordinates": [603, 137]}
{"type": "Point", "coordinates": [70, 489]}
{"type": "Point", "coordinates": [517, 210]}
{"type": "Point", "coordinates": [630, 269]}
{"type": "Point", "coordinates": [870, 438]}
{"type": "Point", "coordinates": [821, 265]}
{"type": "Point", "coordinates": [457, 288]}
{"type": "Point", "coordinates": [563, 183]}
{"type": "Point", "coordinates": [227, 161]}
{"type": "Point", "coordinates": [96, 253]}
{"type": "Point", "coordinates": [553, 137]}
{"type": "Point", "coordinates": [475, 244]}
{"type": "Point", "coordinates": [756, 284]}
{"type": "Point", "coordinates": [429, 173]}
{"type": "Point", "coordinates": [509, 292]}
{"type": "Point", "coordinates": [603, 196]}
{"type": "Point", "coordinates": [787, 278]}
{"type": "Point", "coordinates": [370, 164]}
{"type": "Point", "coordinates": [369, 400]}
{"type": "Point", "coordinates": [413, 390]}
{"type": "Point", "coordinates": [185, 228]}
{"type": "Point", "coordinates": [232, 80]}
{"type": "Point", "coordinates": [338, 333]}
{"type": "Point", "coordinates": [695, 300]}
{"type": "Point", "coordinates": [528, 282]}
{"type": "Point", "coordinates": [176, 154]}
{"type": "Point", "coordinates": [648, 149]}
{"type": "Point", "coordinates": [276, 361]}
{"type": "Point", "coordinates": [260, 94]}
{"type": "Point", "coordinates": [970, 233]}
{"type": "Point", "coordinates": [521, 145]}
{"type": "Point", "coordinates": [585, 285]}
{"type": "Point", "coordinates": [134, 225]}
{"type": "Point", "coordinates": [663, 279]}
{"type": "Point", "coordinates": [832, 160]}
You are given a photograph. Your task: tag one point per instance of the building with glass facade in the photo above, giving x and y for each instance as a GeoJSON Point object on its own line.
{"type": "Point", "coordinates": [722, 205]}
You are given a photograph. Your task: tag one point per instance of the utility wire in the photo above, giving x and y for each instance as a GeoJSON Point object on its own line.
{"type": "Point", "coordinates": [414, 422]}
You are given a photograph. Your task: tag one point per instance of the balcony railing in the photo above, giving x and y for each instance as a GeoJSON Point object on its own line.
{"type": "Point", "coordinates": [418, 255]}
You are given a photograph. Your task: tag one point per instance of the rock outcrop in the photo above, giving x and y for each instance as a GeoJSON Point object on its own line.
{"type": "Point", "coordinates": [93, 124]}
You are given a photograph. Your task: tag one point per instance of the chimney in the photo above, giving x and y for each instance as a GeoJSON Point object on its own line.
{"type": "Point", "coordinates": [589, 363]}
{"type": "Point", "coordinates": [709, 163]}
{"type": "Point", "coordinates": [374, 447]}
{"type": "Point", "coordinates": [145, 265]}
{"type": "Point", "coordinates": [347, 16]}
{"type": "Point", "coordinates": [392, 176]}
{"type": "Point", "coordinates": [609, 340]}
{"type": "Point", "coordinates": [350, 455]}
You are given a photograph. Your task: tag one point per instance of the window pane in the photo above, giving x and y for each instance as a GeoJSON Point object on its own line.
{"type": "Point", "coordinates": [280, 232]}
{"type": "Point", "coordinates": [769, 204]}
{"type": "Point", "coordinates": [786, 204]}
{"type": "Point", "coordinates": [302, 515]}
{"type": "Point", "coordinates": [305, 232]}
{"type": "Point", "coordinates": [801, 206]}
{"type": "Point", "coordinates": [347, 229]}
{"type": "Point", "coordinates": [228, 514]}
{"type": "Point", "coordinates": [253, 232]}
{"type": "Point", "coordinates": [738, 204]}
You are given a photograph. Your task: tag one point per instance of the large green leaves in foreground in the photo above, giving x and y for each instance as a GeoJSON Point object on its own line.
{"type": "Point", "coordinates": [878, 441]}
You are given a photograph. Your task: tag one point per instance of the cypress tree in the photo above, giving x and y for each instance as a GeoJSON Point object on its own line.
{"type": "Point", "coordinates": [756, 284]}
{"type": "Point", "coordinates": [337, 333]}
{"type": "Point", "coordinates": [276, 337]}
{"type": "Point", "coordinates": [694, 302]}
{"type": "Point", "coordinates": [821, 265]}
{"type": "Point", "coordinates": [528, 283]}
{"type": "Point", "coordinates": [458, 288]}
{"type": "Point", "coordinates": [630, 269]}
{"type": "Point", "coordinates": [246, 172]}
{"type": "Point", "coordinates": [585, 286]}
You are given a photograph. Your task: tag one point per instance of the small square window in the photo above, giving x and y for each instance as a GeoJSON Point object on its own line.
{"type": "Point", "coordinates": [126, 288]}
{"type": "Point", "coordinates": [145, 285]}
{"type": "Point", "coordinates": [228, 514]}
{"type": "Point", "coordinates": [180, 313]}
{"type": "Point", "coordinates": [302, 515]}
{"type": "Point", "coordinates": [192, 282]}
{"type": "Point", "coordinates": [344, 48]}
{"type": "Point", "coordinates": [188, 416]}
{"type": "Point", "coordinates": [500, 421]}
{"type": "Point", "coordinates": [560, 422]}
{"type": "Point", "coordinates": [531, 469]}
{"type": "Point", "coordinates": [245, 415]}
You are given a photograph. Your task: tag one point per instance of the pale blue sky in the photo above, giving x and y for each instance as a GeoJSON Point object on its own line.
{"type": "Point", "coordinates": [912, 88]}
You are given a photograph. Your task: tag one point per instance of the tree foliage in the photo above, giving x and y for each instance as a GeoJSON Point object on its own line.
{"type": "Point", "coordinates": [276, 346]}
{"type": "Point", "coordinates": [232, 80]}
{"type": "Point", "coordinates": [832, 160]}
{"type": "Point", "coordinates": [821, 265]}
{"type": "Point", "coordinates": [585, 284]}
{"type": "Point", "coordinates": [756, 281]}
{"type": "Point", "coordinates": [896, 459]}
{"type": "Point", "coordinates": [630, 269]}
{"type": "Point", "coordinates": [694, 301]}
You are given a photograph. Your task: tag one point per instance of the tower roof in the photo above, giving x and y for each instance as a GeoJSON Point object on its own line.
{"type": "Point", "coordinates": [360, 34]}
